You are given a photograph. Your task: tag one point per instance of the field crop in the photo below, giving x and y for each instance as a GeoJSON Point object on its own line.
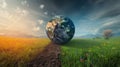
{"type": "Point", "coordinates": [18, 51]}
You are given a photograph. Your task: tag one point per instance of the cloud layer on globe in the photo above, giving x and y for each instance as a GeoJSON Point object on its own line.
{"type": "Point", "coordinates": [60, 29]}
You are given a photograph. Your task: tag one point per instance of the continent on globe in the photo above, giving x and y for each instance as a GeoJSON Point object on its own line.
{"type": "Point", "coordinates": [60, 29]}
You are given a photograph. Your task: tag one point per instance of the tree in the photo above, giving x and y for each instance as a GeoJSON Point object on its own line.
{"type": "Point", "coordinates": [107, 34]}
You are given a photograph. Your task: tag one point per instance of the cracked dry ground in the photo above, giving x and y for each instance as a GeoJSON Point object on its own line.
{"type": "Point", "coordinates": [49, 57]}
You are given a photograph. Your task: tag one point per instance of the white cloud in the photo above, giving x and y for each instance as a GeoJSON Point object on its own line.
{"type": "Point", "coordinates": [3, 4]}
{"type": "Point", "coordinates": [40, 22]}
{"type": "Point", "coordinates": [98, 1]}
{"type": "Point", "coordinates": [36, 29]}
{"type": "Point", "coordinates": [102, 12]}
{"type": "Point", "coordinates": [109, 23]}
{"type": "Point", "coordinates": [46, 13]}
{"type": "Point", "coordinates": [19, 19]}
{"type": "Point", "coordinates": [22, 12]}
{"type": "Point", "coordinates": [27, 5]}
{"type": "Point", "coordinates": [24, 2]}
{"type": "Point", "coordinates": [16, 20]}
{"type": "Point", "coordinates": [95, 31]}
{"type": "Point", "coordinates": [38, 13]}
{"type": "Point", "coordinates": [42, 6]}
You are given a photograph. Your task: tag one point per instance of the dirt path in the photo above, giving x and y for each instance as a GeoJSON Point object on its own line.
{"type": "Point", "coordinates": [48, 58]}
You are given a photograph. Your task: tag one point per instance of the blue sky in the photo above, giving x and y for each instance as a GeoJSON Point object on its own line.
{"type": "Point", "coordinates": [29, 17]}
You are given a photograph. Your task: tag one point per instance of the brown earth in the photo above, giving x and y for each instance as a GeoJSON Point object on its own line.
{"type": "Point", "coordinates": [49, 57]}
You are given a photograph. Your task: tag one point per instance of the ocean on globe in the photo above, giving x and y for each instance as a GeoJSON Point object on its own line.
{"type": "Point", "coordinates": [60, 29]}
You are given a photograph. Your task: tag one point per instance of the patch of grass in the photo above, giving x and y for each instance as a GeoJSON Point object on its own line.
{"type": "Point", "coordinates": [82, 43]}
{"type": "Point", "coordinates": [91, 53]}
{"type": "Point", "coordinates": [16, 52]}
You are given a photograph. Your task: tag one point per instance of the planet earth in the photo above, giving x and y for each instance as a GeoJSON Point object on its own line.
{"type": "Point", "coordinates": [60, 29]}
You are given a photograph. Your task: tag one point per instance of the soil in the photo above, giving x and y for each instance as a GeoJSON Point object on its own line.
{"type": "Point", "coordinates": [49, 57]}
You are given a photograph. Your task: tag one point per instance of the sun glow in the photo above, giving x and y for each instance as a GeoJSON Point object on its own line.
{"type": "Point", "coordinates": [20, 49]}
{"type": "Point", "coordinates": [17, 21]}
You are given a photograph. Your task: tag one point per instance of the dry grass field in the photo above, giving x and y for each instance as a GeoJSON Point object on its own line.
{"type": "Point", "coordinates": [19, 51]}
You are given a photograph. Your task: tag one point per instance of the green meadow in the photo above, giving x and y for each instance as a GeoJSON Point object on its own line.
{"type": "Point", "coordinates": [91, 53]}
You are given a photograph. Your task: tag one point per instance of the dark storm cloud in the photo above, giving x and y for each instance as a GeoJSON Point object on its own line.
{"type": "Point", "coordinates": [69, 5]}
{"type": "Point", "coordinates": [99, 8]}
{"type": "Point", "coordinates": [114, 27]}
{"type": "Point", "coordinates": [109, 16]}
{"type": "Point", "coordinates": [112, 13]}
{"type": "Point", "coordinates": [102, 14]}
{"type": "Point", "coordinates": [111, 8]}
{"type": "Point", "coordinates": [89, 16]}
{"type": "Point", "coordinates": [65, 6]}
{"type": "Point", "coordinates": [104, 8]}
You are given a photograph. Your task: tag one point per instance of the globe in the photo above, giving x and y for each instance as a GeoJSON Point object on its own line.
{"type": "Point", "coordinates": [60, 29]}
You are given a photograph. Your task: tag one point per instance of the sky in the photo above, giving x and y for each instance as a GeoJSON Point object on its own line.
{"type": "Point", "coordinates": [29, 17]}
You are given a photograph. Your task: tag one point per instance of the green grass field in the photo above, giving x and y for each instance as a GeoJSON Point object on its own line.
{"type": "Point", "coordinates": [91, 53]}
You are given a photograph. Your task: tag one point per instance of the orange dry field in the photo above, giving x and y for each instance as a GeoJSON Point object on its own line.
{"type": "Point", "coordinates": [20, 50]}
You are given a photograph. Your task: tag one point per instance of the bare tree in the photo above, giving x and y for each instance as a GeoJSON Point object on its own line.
{"type": "Point", "coordinates": [107, 34]}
